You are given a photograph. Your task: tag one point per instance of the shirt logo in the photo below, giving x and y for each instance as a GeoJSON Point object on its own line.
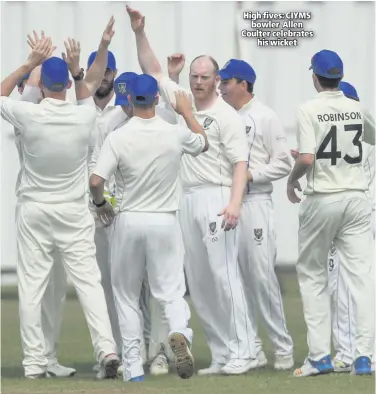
{"type": "Point", "coordinates": [258, 234]}
{"type": "Point", "coordinates": [213, 228]}
{"type": "Point", "coordinates": [247, 129]}
{"type": "Point", "coordinates": [207, 123]}
{"type": "Point", "coordinates": [122, 87]}
{"type": "Point", "coordinates": [332, 250]}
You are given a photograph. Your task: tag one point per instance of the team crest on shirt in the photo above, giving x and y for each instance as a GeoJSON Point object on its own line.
{"type": "Point", "coordinates": [212, 228]}
{"type": "Point", "coordinates": [258, 234]}
{"type": "Point", "coordinates": [247, 129]}
{"type": "Point", "coordinates": [332, 250]}
{"type": "Point", "coordinates": [122, 88]}
{"type": "Point", "coordinates": [207, 122]}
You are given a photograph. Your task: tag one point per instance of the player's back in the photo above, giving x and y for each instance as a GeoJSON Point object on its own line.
{"type": "Point", "coordinates": [55, 145]}
{"type": "Point", "coordinates": [331, 128]}
{"type": "Point", "coordinates": [149, 153]}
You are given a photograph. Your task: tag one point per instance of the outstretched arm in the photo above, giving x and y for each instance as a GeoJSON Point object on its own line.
{"type": "Point", "coordinates": [41, 51]}
{"type": "Point", "coordinates": [148, 62]}
{"type": "Point", "coordinates": [97, 70]}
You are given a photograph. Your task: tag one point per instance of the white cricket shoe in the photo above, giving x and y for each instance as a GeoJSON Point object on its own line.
{"type": "Point", "coordinates": [37, 376]}
{"type": "Point", "coordinates": [239, 366]}
{"type": "Point", "coordinates": [283, 363]}
{"type": "Point", "coordinates": [261, 358]}
{"type": "Point", "coordinates": [59, 371]}
{"type": "Point", "coordinates": [214, 369]}
{"type": "Point", "coordinates": [120, 370]}
{"type": "Point", "coordinates": [313, 368]}
{"type": "Point", "coordinates": [96, 368]}
{"type": "Point", "coordinates": [183, 357]}
{"type": "Point", "coordinates": [340, 366]}
{"type": "Point", "coordinates": [159, 366]}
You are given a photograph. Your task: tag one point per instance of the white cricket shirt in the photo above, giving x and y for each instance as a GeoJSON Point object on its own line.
{"type": "Point", "coordinates": [226, 136]}
{"type": "Point", "coordinates": [55, 136]}
{"type": "Point", "coordinates": [369, 167]}
{"type": "Point", "coordinates": [331, 128]}
{"type": "Point", "coordinates": [269, 154]}
{"type": "Point", "coordinates": [145, 156]}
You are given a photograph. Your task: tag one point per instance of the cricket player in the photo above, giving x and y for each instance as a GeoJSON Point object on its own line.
{"type": "Point", "coordinates": [155, 327]}
{"type": "Point", "coordinates": [336, 210]}
{"type": "Point", "coordinates": [54, 296]}
{"type": "Point", "coordinates": [268, 161]}
{"type": "Point", "coordinates": [213, 186]}
{"type": "Point", "coordinates": [343, 320]}
{"type": "Point", "coordinates": [99, 78]}
{"type": "Point", "coordinates": [52, 214]}
{"type": "Point", "coordinates": [145, 157]}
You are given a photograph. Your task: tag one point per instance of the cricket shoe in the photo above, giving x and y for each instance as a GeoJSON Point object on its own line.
{"type": "Point", "coordinates": [42, 375]}
{"type": "Point", "coordinates": [120, 370]}
{"type": "Point", "coordinates": [261, 358]}
{"type": "Point", "coordinates": [183, 357]}
{"type": "Point", "coordinates": [341, 366]}
{"type": "Point", "coordinates": [96, 368]}
{"type": "Point", "coordinates": [109, 367]}
{"type": "Point", "coordinates": [159, 366]}
{"type": "Point", "coordinates": [137, 379]}
{"type": "Point", "coordinates": [239, 366]}
{"type": "Point", "coordinates": [59, 371]}
{"type": "Point", "coordinates": [313, 368]}
{"type": "Point", "coordinates": [362, 366]}
{"type": "Point", "coordinates": [283, 363]}
{"type": "Point", "coordinates": [214, 369]}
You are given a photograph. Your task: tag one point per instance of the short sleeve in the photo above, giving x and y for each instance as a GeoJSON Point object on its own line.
{"type": "Point", "coordinates": [192, 143]}
{"type": "Point", "coordinates": [234, 138]}
{"type": "Point", "coordinates": [15, 112]}
{"type": "Point", "coordinates": [306, 133]}
{"type": "Point", "coordinates": [108, 160]}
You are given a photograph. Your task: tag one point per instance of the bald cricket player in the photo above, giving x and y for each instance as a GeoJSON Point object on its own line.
{"type": "Point", "coordinates": [213, 186]}
{"type": "Point", "coordinates": [336, 210]}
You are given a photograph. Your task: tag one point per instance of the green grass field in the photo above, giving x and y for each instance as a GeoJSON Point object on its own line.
{"type": "Point", "coordinates": [75, 350]}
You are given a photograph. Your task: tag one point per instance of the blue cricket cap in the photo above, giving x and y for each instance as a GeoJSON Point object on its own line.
{"type": "Point", "coordinates": [143, 89]}
{"type": "Point", "coordinates": [55, 74]}
{"type": "Point", "coordinates": [240, 69]}
{"type": "Point", "coordinates": [25, 77]}
{"type": "Point", "coordinates": [327, 64]}
{"type": "Point", "coordinates": [121, 86]}
{"type": "Point", "coordinates": [348, 90]}
{"type": "Point", "coordinates": [111, 62]}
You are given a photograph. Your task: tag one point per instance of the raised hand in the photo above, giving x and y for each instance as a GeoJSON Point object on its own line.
{"type": "Point", "coordinates": [72, 57]}
{"type": "Point", "coordinates": [175, 63]}
{"type": "Point", "coordinates": [136, 18]}
{"type": "Point", "coordinates": [108, 32]}
{"type": "Point", "coordinates": [42, 49]}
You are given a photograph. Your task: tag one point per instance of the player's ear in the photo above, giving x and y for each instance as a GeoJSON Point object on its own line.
{"type": "Point", "coordinates": [40, 85]}
{"type": "Point", "coordinates": [115, 73]}
{"type": "Point", "coordinates": [217, 79]}
{"type": "Point", "coordinates": [69, 84]}
{"type": "Point", "coordinates": [20, 90]}
{"type": "Point", "coordinates": [129, 99]}
{"type": "Point", "coordinates": [156, 101]}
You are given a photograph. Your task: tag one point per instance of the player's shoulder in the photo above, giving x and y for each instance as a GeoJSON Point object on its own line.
{"type": "Point", "coordinates": [264, 110]}
{"type": "Point", "coordinates": [224, 112]}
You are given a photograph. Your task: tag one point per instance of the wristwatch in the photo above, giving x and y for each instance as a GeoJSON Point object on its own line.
{"type": "Point", "coordinates": [80, 76]}
{"type": "Point", "coordinates": [100, 204]}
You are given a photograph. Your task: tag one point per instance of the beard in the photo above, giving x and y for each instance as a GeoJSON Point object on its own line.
{"type": "Point", "coordinates": [103, 91]}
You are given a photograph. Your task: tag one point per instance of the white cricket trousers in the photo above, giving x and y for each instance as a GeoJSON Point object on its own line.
{"type": "Point", "coordinates": [52, 308]}
{"type": "Point", "coordinates": [345, 219]}
{"type": "Point", "coordinates": [68, 230]}
{"type": "Point", "coordinates": [103, 259]}
{"type": "Point", "coordinates": [213, 276]}
{"type": "Point", "coordinates": [343, 319]}
{"type": "Point", "coordinates": [146, 243]}
{"type": "Point", "coordinates": [257, 257]}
